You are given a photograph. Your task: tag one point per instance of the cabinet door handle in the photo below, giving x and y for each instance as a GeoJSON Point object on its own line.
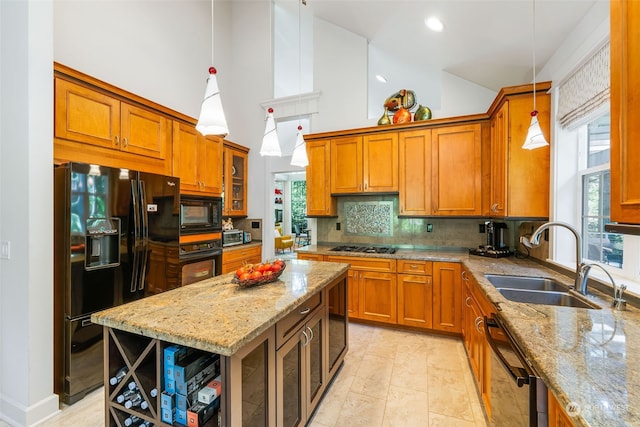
{"type": "Point", "coordinates": [311, 333]}
{"type": "Point", "coordinates": [479, 322]}
{"type": "Point", "coordinates": [117, 140]}
{"type": "Point", "coordinates": [464, 275]}
{"type": "Point", "coordinates": [305, 311]}
{"type": "Point", "coordinates": [466, 302]}
{"type": "Point", "coordinates": [306, 339]}
{"type": "Point", "coordinates": [125, 142]}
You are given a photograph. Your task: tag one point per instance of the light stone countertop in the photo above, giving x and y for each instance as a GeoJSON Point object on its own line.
{"type": "Point", "coordinates": [217, 315]}
{"type": "Point", "coordinates": [588, 357]}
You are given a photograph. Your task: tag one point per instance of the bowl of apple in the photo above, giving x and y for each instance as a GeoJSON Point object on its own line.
{"type": "Point", "coordinates": [258, 274]}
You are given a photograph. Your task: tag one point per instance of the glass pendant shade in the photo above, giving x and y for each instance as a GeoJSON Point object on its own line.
{"type": "Point", "coordinates": [212, 120]}
{"type": "Point", "coordinates": [270, 143]}
{"type": "Point", "coordinates": [299, 156]}
{"type": "Point", "coordinates": [535, 138]}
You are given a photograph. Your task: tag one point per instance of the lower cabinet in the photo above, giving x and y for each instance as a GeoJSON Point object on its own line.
{"type": "Point", "coordinates": [557, 415]}
{"type": "Point", "coordinates": [371, 288]}
{"type": "Point", "coordinates": [301, 377]}
{"type": "Point", "coordinates": [447, 297]}
{"type": "Point", "coordinates": [233, 259]}
{"type": "Point", "coordinates": [415, 293]}
{"type": "Point", "coordinates": [474, 308]}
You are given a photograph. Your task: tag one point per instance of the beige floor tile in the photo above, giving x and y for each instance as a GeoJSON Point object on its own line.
{"type": "Point", "coordinates": [373, 377]}
{"type": "Point", "coordinates": [452, 401]}
{"type": "Point", "coordinates": [406, 407]}
{"type": "Point", "coordinates": [361, 411]}
{"type": "Point", "coordinates": [438, 420]}
{"type": "Point", "coordinates": [410, 371]}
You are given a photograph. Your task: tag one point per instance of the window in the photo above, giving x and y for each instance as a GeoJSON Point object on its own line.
{"type": "Point", "coordinates": [599, 246]}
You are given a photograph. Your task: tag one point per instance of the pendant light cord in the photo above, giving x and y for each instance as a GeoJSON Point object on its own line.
{"type": "Point", "coordinates": [299, 60]}
{"type": "Point", "coordinates": [534, 54]}
{"type": "Point", "coordinates": [212, 32]}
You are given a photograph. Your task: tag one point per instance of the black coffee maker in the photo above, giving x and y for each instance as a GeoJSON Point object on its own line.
{"type": "Point", "coordinates": [497, 234]}
{"type": "Point", "coordinates": [497, 237]}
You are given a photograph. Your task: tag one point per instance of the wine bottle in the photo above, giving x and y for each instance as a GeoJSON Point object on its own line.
{"type": "Point", "coordinates": [126, 395]}
{"type": "Point", "coordinates": [133, 386]}
{"type": "Point", "coordinates": [122, 372]}
{"type": "Point", "coordinates": [132, 419]}
{"type": "Point", "coordinates": [136, 400]}
{"type": "Point", "coordinates": [153, 392]}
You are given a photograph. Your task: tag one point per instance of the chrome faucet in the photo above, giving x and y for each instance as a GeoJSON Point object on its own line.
{"type": "Point", "coordinates": [582, 269]}
{"type": "Point", "coordinates": [618, 302]}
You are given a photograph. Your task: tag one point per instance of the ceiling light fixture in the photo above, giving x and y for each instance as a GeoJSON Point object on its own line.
{"type": "Point", "coordinates": [212, 120]}
{"type": "Point", "coordinates": [299, 156]}
{"type": "Point", "coordinates": [535, 138]}
{"type": "Point", "coordinates": [434, 24]}
{"type": "Point", "coordinates": [270, 143]}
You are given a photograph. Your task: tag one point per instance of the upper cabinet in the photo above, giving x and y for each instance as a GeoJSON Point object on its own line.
{"type": "Point", "coordinates": [456, 170]}
{"type": "Point", "coordinates": [235, 180]}
{"type": "Point", "coordinates": [197, 160]}
{"type": "Point", "coordinates": [319, 200]}
{"type": "Point", "coordinates": [625, 128]}
{"type": "Point", "coordinates": [92, 124]}
{"type": "Point", "coordinates": [519, 178]}
{"type": "Point", "coordinates": [415, 172]}
{"type": "Point", "coordinates": [365, 164]}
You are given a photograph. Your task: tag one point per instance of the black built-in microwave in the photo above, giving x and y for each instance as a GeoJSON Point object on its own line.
{"type": "Point", "coordinates": [200, 214]}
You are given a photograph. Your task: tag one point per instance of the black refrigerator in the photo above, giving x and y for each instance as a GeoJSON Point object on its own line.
{"type": "Point", "coordinates": [105, 221]}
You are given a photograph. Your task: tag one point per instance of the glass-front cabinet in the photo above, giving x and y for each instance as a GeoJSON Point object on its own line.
{"type": "Point", "coordinates": [235, 180]}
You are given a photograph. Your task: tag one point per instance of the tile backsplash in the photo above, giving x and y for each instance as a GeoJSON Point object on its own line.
{"type": "Point", "coordinates": [374, 220]}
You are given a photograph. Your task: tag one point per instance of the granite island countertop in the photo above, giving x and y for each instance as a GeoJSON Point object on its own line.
{"type": "Point", "coordinates": [217, 315]}
{"type": "Point", "coordinates": [588, 357]}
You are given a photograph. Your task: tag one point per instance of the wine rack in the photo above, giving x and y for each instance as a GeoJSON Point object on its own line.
{"type": "Point", "coordinates": [142, 358]}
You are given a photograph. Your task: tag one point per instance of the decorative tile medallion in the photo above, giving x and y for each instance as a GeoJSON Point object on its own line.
{"type": "Point", "coordinates": [369, 218]}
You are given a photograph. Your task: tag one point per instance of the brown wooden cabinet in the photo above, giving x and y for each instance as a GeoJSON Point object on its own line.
{"type": "Point", "coordinates": [415, 293]}
{"type": "Point", "coordinates": [557, 415]}
{"type": "Point", "coordinates": [474, 309]}
{"type": "Point", "coordinates": [456, 170]}
{"type": "Point", "coordinates": [232, 259]}
{"type": "Point", "coordinates": [319, 200]}
{"type": "Point", "coordinates": [447, 297]}
{"type": "Point", "coordinates": [310, 257]}
{"type": "Point", "coordinates": [372, 288]}
{"type": "Point", "coordinates": [519, 180]}
{"type": "Point", "coordinates": [235, 174]}
{"type": "Point", "coordinates": [365, 164]}
{"type": "Point", "coordinates": [625, 129]}
{"type": "Point", "coordinates": [95, 126]}
{"type": "Point", "coordinates": [197, 160]}
{"type": "Point", "coordinates": [414, 172]}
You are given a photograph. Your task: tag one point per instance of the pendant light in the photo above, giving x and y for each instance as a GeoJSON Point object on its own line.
{"type": "Point", "coordinates": [299, 156]}
{"type": "Point", "coordinates": [535, 138]}
{"type": "Point", "coordinates": [270, 143]}
{"type": "Point", "coordinates": [212, 120]}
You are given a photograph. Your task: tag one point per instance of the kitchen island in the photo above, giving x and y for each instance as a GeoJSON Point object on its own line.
{"type": "Point", "coordinates": [588, 358]}
{"type": "Point", "coordinates": [297, 321]}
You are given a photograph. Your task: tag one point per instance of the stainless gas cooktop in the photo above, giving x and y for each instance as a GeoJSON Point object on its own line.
{"type": "Point", "coordinates": [366, 249]}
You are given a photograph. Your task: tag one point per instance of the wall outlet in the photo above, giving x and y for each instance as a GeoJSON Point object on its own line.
{"type": "Point", "coordinates": [482, 228]}
{"type": "Point", "coordinates": [338, 226]}
{"type": "Point", "coordinates": [429, 228]}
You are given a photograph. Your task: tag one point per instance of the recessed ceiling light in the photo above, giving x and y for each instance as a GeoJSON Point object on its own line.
{"type": "Point", "coordinates": [434, 24]}
{"type": "Point", "coordinates": [381, 78]}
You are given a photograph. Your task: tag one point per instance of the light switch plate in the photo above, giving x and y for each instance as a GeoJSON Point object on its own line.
{"type": "Point", "coordinates": [5, 249]}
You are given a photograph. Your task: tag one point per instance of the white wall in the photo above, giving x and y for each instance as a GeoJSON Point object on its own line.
{"type": "Point", "coordinates": [26, 309]}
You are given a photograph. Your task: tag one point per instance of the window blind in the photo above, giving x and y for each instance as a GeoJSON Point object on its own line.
{"type": "Point", "coordinates": [586, 90]}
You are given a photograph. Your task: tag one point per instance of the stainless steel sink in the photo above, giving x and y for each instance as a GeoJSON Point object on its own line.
{"type": "Point", "coordinates": [525, 282]}
{"type": "Point", "coordinates": [537, 290]}
{"type": "Point", "coordinates": [564, 299]}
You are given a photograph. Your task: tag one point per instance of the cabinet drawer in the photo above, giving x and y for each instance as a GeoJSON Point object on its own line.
{"type": "Point", "coordinates": [311, 257]}
{"type": "Point", "coordinates": [287, 326]}
{"type": "Point", "coordinates": [385, 265]}
{"type": "Point", "coordinates": [415, 267]}
{"type": "Point", "coordinates": [240, 254]}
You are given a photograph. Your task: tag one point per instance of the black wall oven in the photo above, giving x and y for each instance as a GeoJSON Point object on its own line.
{"type": "Point", "coordinates": [200, 261]}
{"type": "Point", "coordinates": [518, 396]}
{"type": "Point", "coordinates": [200, 214]}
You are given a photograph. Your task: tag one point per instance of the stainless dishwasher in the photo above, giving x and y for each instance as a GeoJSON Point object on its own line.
{"type": "Point", "coordinates": [518, 396]}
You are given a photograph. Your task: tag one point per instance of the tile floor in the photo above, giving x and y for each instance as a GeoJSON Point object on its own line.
{"type": "Point", "coordinates": [389, 378]}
